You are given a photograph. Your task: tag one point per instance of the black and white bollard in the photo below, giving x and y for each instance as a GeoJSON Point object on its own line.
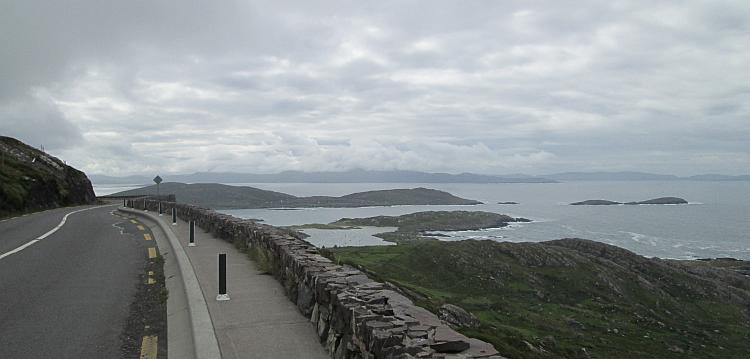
{"type": "Point", "coordinates": [222, 278]}
{"type": "Point", "coordinates": [124, 202]}
{"type": "Point", "coordinates": [160, 211]}
{"type": "Point", "coordinates": [145, 209]}
{"type": "Point", "coordinates": [191, 243]}
{"type": "Point", "coordinates": [174, 216]}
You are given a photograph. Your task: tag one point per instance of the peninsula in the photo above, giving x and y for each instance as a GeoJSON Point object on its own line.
{"type": "Point", "coordinates": [220, 196]}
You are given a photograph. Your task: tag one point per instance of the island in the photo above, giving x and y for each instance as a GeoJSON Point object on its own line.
{"type": "Point", "coordinates": [661, 200]}
{"type": "Point", "coordinates": [416, 226]}
{"type": "Point", "coordinates": [595, 202]}
{"type": "Point", "coordinates": [603, 202]}
{"type": "Point", "coordinates": [220, 196]}
{"type": "Point", "coordinates": [507, 202]}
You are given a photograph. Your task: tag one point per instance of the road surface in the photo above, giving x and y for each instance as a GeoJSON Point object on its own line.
{"type": "Point", "coordinates": [67, 283]}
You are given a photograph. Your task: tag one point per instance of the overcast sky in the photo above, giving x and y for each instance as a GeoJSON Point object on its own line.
{"type": "Point", "coordinates": [125, 87]}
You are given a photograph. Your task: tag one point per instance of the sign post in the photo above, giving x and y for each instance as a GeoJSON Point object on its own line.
{"type": "Point", "coordinates": [158, 180]}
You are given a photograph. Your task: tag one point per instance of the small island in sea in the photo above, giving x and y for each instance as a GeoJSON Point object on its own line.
{"type": "Point", "coordinates": [416, 226]}
{"type": "Point", "coordinates": [604, 202]}
{"type": "Point", "coordinates": [220, 196]}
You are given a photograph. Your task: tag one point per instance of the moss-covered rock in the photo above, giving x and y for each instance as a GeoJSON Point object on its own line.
{"type": "Point", "coordinates": [32, 180]}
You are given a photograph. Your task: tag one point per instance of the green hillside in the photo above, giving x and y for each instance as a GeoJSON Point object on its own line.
{"type": "Point", "coordinates": [32, 180]}
{"type": "Point", "coordinates": [574, 298]}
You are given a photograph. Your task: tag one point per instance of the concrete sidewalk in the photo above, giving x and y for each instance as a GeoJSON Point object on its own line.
{"type": "Point", "coordinates": [258, 321]}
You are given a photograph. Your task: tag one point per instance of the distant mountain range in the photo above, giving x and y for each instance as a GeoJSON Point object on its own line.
{"type": "Point", "coordinates": [221, 196]}
{"type": "Point", "coordinates": [638, 176]}
{"type": "Point", "coordinates": [353, 176]}
{"type": "Point", "coordinates": [364, 176]}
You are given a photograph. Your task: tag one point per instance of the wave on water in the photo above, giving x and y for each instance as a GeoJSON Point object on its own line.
{"type": "Point", "coordinates": [485, 237]}
{"type": "Point", "coordinates": [642, 238]}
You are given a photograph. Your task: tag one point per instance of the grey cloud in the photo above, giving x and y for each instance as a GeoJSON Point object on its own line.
{"type": "Point", "coordinates": [480, 86]}
{"type": "Point", "coordinates": [38, 121]}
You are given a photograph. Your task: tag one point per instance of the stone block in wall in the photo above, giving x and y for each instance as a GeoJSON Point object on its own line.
{"type": "Point", "coordinates": [305, 298]}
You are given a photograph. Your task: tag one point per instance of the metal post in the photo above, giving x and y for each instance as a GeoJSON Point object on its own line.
{"type": "Point", "coordinates": [192, 234]}
{"type": "Point", "coordinates": [222, 278]}
{"type": "Point", "coordinates": [174, 216]}
{"type": "Point", "coordinates": [124, 202]}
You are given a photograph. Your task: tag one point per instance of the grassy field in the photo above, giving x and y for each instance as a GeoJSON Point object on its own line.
{"type": "Point", "coordinates": [572, 298]}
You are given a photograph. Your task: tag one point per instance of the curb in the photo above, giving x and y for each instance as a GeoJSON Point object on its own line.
{"type": "Point", "coordinates": [204, 337]}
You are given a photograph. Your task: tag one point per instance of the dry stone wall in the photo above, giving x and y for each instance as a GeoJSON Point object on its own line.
{"type": "Point", "coordinates": [354, 316]}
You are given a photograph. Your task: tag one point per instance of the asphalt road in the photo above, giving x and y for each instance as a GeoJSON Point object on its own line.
{"type": "Point", "coordinates": [67, 295]}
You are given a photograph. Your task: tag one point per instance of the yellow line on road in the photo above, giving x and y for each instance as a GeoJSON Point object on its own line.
{"type": "Point", "coordinates": [151, 281]}
{"type": "Point", "coordinates": [141, 227]}
{"type": "Point", "coordinates": [151, 252]}
{"type": "Point", "coordinates": [149, 347]}
{"type": "Point", "coordinates": [147, 236]}
{"type": "Point", "coordinates": [133, 221]}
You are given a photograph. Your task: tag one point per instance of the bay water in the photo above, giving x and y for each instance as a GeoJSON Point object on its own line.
{"type": "Point", "coordinates": [715, 223]}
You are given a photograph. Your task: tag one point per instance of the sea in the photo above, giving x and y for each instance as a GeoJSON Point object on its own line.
{"type": "Point", "coordinates": [715, 222]}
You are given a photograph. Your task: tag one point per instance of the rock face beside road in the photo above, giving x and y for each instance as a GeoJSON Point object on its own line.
{"type": "Point", "coordinates": [32, 180]}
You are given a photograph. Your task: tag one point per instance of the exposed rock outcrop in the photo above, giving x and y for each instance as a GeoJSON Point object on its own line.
{"type": "Point", "coordinates": [32, 180]}
{"type": "Point", "coordinates": [457, 316]}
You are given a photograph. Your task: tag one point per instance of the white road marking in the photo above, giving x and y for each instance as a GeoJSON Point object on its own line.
{"type": "Point", "coordinates": [49, 233]}
{"type": "Point", "coordinates": [19, 248]}
{"type": "Point", "coordinates": [62, 223]}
